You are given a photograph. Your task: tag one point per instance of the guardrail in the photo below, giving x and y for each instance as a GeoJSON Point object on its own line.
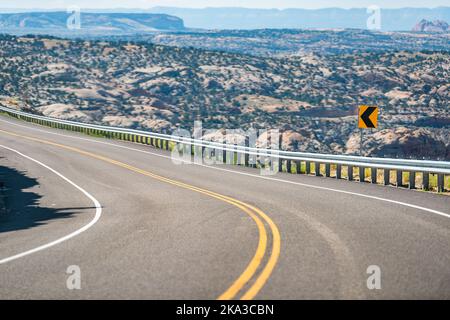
{"type": "Point", "coordinates": [286, 161]}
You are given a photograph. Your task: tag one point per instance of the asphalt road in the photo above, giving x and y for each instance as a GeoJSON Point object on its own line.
{"type": "Point", "coordinates": [140, 226]}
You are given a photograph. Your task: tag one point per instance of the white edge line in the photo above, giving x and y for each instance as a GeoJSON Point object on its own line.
{"type": "Point", "coordinates": [98, 213]}
{"type": "Point", "coordinates": [443, 214]}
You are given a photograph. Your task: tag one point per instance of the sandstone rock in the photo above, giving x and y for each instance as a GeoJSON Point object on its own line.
{"type": "Point", "coordinates": [400, 142]}
{"type": "Point", "coordinates": [157, 125]}
{"type": "Point", "coordinates": [65, 112]}
{"type": "Point", "coordinates": [119, 121]}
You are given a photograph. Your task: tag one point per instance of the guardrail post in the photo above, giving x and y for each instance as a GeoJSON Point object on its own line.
{"type": "Point", "coordinates": [350, 173]}
{"type": "Point", "coordinates": [440, 182]}
{"type": "Point", "coordinates": [362, 174]}
{"type": "Point", "coordinates": [412, 180]}
{"type": "Point", "coordinates": [338, 171]}
{"type": "Point", "coordinates": [255, 159]}
{"type": "Point", "coordinates": [299, 166]}
{"type": "Point", "coordinates": [288, 166]}
{"type": "Point", "coordinates": [387, 177]}
{"type": "Point", "coordinates": [230, 156]}
{"type": "Point", "coordinates": [246, 154]}
{"type": "Point", "coordinates": [238, 156]}
{"type": "Point", "coordinates": [317, 169]}
{"type": "Point", "coordinates": [327, 170]}
{"type": "Point", "coordinates": [224, 153]}
{"type": "Point", "coordinates": [280, 148]}
{"type": "Point", "coordinates": [399, 180]}
{"type": "Point", "coordinates": [373, 175]}
{"type": "Point", "coordinates": [308, 167]}
{"type": "Point", "coordinates": [425, 181]}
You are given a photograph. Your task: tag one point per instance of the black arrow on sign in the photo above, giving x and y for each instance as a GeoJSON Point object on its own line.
{"type": "Point", "coordinates": [365, 117]}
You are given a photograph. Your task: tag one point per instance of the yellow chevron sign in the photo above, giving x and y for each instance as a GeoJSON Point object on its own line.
{"type": "Point", "coordinates": [368, 117]}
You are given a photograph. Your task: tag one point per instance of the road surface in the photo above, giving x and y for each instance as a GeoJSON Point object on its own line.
{"type": "Point", "coordinates": [139, 226]}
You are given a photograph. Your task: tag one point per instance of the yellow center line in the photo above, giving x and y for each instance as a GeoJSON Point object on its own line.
{"type": "Point", "coordinates": [255, 213]}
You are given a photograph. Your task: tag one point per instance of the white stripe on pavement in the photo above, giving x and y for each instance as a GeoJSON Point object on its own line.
{"type": "Point", "coordinates": [98, 213]}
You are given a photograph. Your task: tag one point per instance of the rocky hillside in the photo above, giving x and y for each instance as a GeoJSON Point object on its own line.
{"type": "Point", "coordinates": [311, 97]}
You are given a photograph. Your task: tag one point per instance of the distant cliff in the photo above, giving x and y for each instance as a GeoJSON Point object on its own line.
{"type": "Point", "coordinates": [100, 22]}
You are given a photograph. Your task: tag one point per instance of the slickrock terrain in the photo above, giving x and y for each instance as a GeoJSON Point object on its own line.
{"type": "Point", "coordinates": [311, 97]}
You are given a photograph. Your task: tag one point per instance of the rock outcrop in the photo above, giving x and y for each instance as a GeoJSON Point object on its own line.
{"type": "Point", "coordinates": [431, 26]}
{"type": "Point", "coordinates": [400, 142]}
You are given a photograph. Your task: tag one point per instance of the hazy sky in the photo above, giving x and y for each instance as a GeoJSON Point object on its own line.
{"type": "Point", "coordinates": [28, 4]}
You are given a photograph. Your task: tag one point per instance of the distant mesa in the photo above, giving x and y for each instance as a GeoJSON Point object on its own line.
{"type": "Point", "coordinates": [431, 26]}
{"type": "Point", "coordinates": [114, 22]}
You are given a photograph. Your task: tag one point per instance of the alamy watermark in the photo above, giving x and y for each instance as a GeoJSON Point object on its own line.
{"type": "Point", "coordinates": [374, 280]}
{"type": "Point", "coordinates": [374, 20]}
{"type": "Point", "coordinates": [74, 20]}
{"type": "Point", "coordinates": [257, 148]}
{"type": "Point", "coordinates": [73, 282]}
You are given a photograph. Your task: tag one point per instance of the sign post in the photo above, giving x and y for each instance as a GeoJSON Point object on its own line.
{"type": "Point", "coordinates": [367, 119]}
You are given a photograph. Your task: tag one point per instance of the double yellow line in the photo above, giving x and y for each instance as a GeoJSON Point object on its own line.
{"type": "Point", "coordinates": [258, 216]}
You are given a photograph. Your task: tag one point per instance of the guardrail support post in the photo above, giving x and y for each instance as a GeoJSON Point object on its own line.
{"type": "Point", "coordinates": [387, 177]}
{"type": "Point", "coordinates": [399, 180]}
{"type": "Point", "coordinates": [246, 155]}
{"type": "Point", "coordinates": [373, 175]}
{"type": "Point", "coordinates": [327, 170]}
{"type": "Point", "coordinates": [224, 154]}
{"type": "Point", "coordinates": [308, 167]}
{"type": "Point", "coordinates": [362, 174]}
{"type": "Point", "coordinates": [339, 171]}
{"type": "Point", "coordinates": [317, 169]}
{"type": "Point", "coordinates": [298, 165]}
{"type": "Point", "coordinates": [425, 181]}
{"type": "Point", "coordinates": [440, 182]}
{"type": "Point", "coordinates": [412, 180]}
{"type": "Point", "coordinates": [350, 173]}
{"type": "Point", "coordinates": [254, 160]}
{"type": "Point", "coordinates": [289, 166]}
{"type": "Point", "coordinates": [280, 147]}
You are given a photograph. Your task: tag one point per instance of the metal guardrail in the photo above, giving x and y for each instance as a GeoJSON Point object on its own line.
{"type": "Point", "coordinates": [286, 160]}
